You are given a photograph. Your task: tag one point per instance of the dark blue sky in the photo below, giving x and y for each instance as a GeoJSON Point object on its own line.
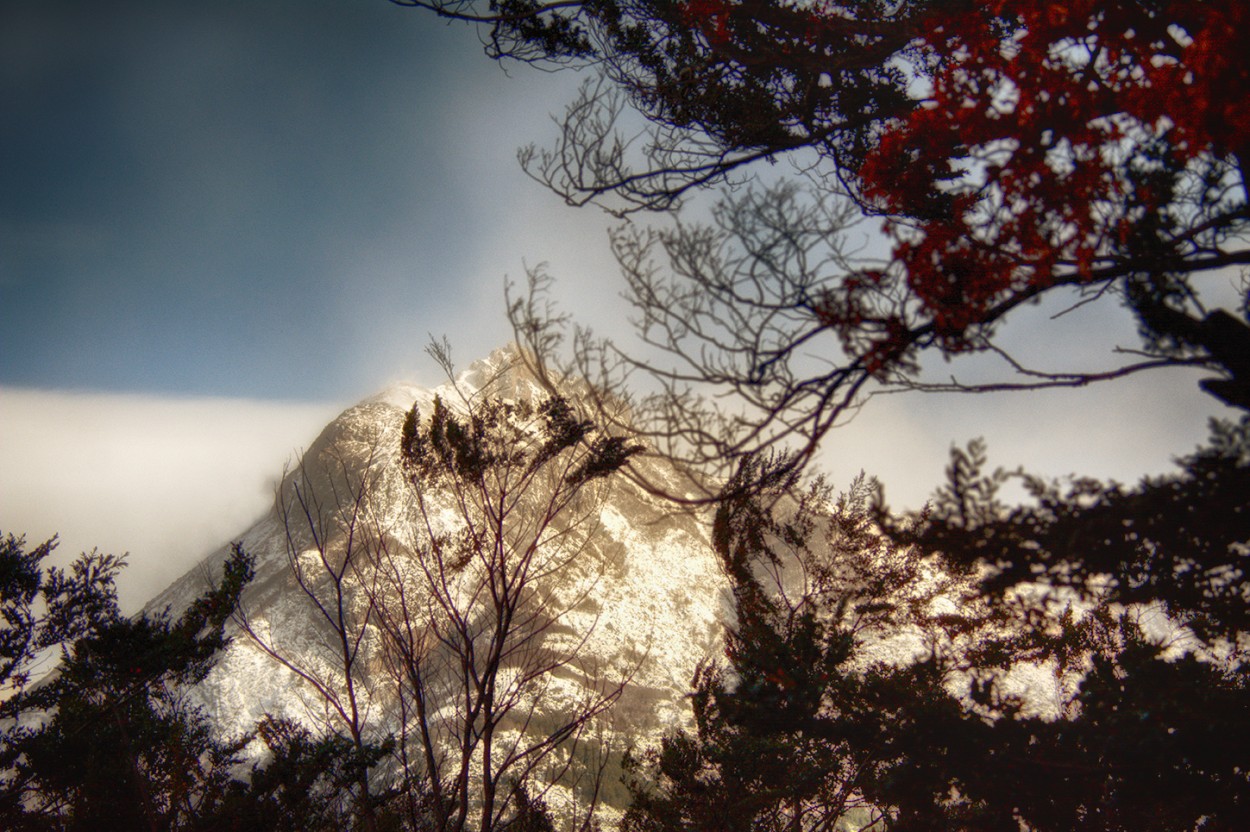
{"type": "Point", "coordinates": [277, 199]}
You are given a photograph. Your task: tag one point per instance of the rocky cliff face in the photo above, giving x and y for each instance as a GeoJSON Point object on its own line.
{"type": "Point", "coordinates": [651, 610]}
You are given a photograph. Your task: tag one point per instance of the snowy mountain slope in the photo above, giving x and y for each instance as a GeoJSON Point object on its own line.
{"type": "Point", "coordinates": [654, 603]}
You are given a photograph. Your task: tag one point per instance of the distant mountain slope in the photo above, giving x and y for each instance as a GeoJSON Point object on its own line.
{"type": "Point", "coordinates": [654, 611]}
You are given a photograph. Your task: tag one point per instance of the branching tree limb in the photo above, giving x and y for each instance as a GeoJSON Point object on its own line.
{"type": "Point", "coordinates": [1014, 154]}
{"type": "Point", "coordinates": [448, 566]}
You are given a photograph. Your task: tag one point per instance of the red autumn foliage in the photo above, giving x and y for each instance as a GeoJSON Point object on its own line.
{"type": "Point", "coordinates": [1011, 145]}
{"type": "Point", "coordinates": [1052, 131]}
{"type": "Point", "coordinates": [1011, 148]}
{"type": "Point", "coordinates": [709, 16]}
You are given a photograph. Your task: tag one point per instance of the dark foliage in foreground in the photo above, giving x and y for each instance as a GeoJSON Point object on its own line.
{"type": "Point", "coordinates": [108, 740]}
{"type": "Point", "coordinates": [1131, 601]}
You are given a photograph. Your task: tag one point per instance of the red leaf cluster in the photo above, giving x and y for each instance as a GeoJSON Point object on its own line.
{"type": "Point", "coordinates": [1040, 145]}
{"type": "Point", "coordinates": [709, 16]}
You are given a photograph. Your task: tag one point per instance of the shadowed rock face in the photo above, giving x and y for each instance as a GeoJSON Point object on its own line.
{"type": "Point", "coordinates": [651, 607]}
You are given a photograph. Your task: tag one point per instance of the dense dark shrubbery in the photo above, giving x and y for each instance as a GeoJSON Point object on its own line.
{"type": "Point", "coordinates": [1131, 600]}
{"type": "Point", "coordinates": [107, 740]}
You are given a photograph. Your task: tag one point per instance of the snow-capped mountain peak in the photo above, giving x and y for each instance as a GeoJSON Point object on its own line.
{"type": "Point", "coordinates": [649, 606]}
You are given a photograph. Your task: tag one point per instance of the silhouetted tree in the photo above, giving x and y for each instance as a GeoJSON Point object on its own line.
{"type": "Point", "coordinates": [877, 670]}
{"type": "Point", "coordinates": [106, 739]}
{"type": "Point", "coordinates": [837, 664]}
{"type": "Point", "coordinates": [1014, 150]}
{"type": "Point", "coordinates": [443, 569]}
{"type": "Point", "coordinates": [1139, 595]}
{"type": "Point", "coordinates": [304, 783]}
{"type": "Point", "coordinates": [475, 602]}
{"type": "Point", "coordinates": [332, 538]}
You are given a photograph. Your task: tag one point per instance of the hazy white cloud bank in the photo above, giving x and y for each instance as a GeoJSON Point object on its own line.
{"type": "Point", "coordinates": [166, 480]}
{"type": "Point", "coordinates": [170, 479]}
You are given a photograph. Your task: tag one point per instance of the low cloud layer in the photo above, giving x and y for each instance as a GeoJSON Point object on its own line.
{"type": "Point", "coordinates": [166, 480]}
